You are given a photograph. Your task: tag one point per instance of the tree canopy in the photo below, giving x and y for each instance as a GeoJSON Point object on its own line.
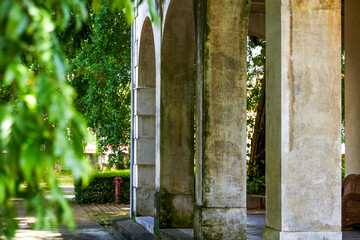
{"type": "Point", "coordinates": [100, 74]}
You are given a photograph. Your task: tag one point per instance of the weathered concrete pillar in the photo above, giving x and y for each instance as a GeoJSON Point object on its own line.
{"type": "Point", "coordinates": [303, 113]}
{"type": "Point", "coordinates": [144, 126]}
{"type": "Point", "coordinates": [352, 87]}
{"type": "Point", "coordinates": [221, 119]}
{"type": "Point", "coordinates": [176, 166]}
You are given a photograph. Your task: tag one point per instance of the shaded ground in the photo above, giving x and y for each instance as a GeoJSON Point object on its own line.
{"type": "Point", "coordinates": [87, 228]}
{"type": "Point", "coordinates": [105, 213]}
{"type": "Point", "coordinates": [91, 218]}
{"type": "Point", "coordinates": [87, 218]}
{"type": "Point", "coordinates": [256, 224]}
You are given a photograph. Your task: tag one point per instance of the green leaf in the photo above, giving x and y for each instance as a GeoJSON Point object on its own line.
{"type": "Point", "coordinates": [59, 66]}
{"type": "Point", "coordinates": [28, 159]}
{"type": "Point", "coordinates": [5, 5]}
{"type": "Point", "coordinates": [6, 122]}
{"type": "Point", "coordinates": [18, 72]}
{"type": "Point", "coordinates": [96, 5]}
{"type": "Point", "coordinates": [18, 21]}
{"type": "Point", "coordinates": [66, 14]}
{"type": "Point", "coordinates": [129, 11]}
{"type": "Point", "coordinates": [153, 13]}
{"type": "Point", "coordinates": [30, 101]}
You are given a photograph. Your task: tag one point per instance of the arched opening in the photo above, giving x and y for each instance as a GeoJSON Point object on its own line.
{"type": "Point", "coordinates": [176, 170]}
{"type": "Point", "coordinates": [144, 131]}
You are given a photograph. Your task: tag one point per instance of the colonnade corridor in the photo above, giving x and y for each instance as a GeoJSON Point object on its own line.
{"type": "Point", "coordinates": [303, 116]}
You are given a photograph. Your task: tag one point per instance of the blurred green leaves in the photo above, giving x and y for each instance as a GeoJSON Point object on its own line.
{"type": "Point", "coordinates": [38, 123]}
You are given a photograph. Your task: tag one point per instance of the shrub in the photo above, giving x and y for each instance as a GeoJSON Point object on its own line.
{"type": "Point", "coordinates": [256, 181]}
{"type": "Point", "coordinates": [255, 185]}
{"type": "Point", "coordinates": [101, 189]}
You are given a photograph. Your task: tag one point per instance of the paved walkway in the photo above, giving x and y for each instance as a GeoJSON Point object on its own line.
{"type": "Point", "coordinates": [256, 224]}
{"type": "Point", "coordinates": [87, 228]}
{"type": "Point", "coordinates": [104, 213]}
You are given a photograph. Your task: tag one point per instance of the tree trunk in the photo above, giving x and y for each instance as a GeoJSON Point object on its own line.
{"type": "Point", "coordinates": [257, 152]}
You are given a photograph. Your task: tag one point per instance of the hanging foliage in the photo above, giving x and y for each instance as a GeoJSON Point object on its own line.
{"type": "Point", "coordinates": [38, 123]}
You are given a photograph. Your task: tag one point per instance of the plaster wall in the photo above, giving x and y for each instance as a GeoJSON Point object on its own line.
{"type": "Point", "coordinates": [221, 131]}
{"type": "Point", "coordinates": [165, 129]}
{"type": "Point", "coordinates": [144, 113]}
{"type": "Point", "coordinates": [177, 115]}
{"type": "Point", "coordinates": [257, 19]}
{"type": "Point", "coordinates": [303, 119]}
{"type": "Point", "coordinates": [352, 87]}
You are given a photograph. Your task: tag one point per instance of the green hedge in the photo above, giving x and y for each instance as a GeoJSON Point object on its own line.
{"type": "Point", "coordinates": [101, 189]}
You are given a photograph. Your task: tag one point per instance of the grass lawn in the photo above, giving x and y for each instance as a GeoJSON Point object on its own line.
{"type": "Point", "coordinates": [65, 179]}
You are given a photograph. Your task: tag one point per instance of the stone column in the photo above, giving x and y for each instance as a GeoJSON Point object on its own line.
{"type": "Point", "coordinates": [144, 124]}
{"type": "Point", "coordinates": [303, 112]}
{"type": "Point", "coordinates": [221, 119]}
{"type": "Point", "coordinates": [352, 87]}
{"type": "Point", "coordinates": [175, 169]}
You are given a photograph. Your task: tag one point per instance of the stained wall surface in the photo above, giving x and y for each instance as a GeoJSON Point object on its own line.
{"type": "Point", "coordinates": [303, 114]}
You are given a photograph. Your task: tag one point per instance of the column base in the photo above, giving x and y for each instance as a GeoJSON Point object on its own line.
{"type": "Point", "coordinates": [272, 234]}
{"type": "Point", "coordinates": [220, 223]}
{"type": "Point", "coordinates": [176, 210]}
{"type": "Point", "coordinates": [144, 201]}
